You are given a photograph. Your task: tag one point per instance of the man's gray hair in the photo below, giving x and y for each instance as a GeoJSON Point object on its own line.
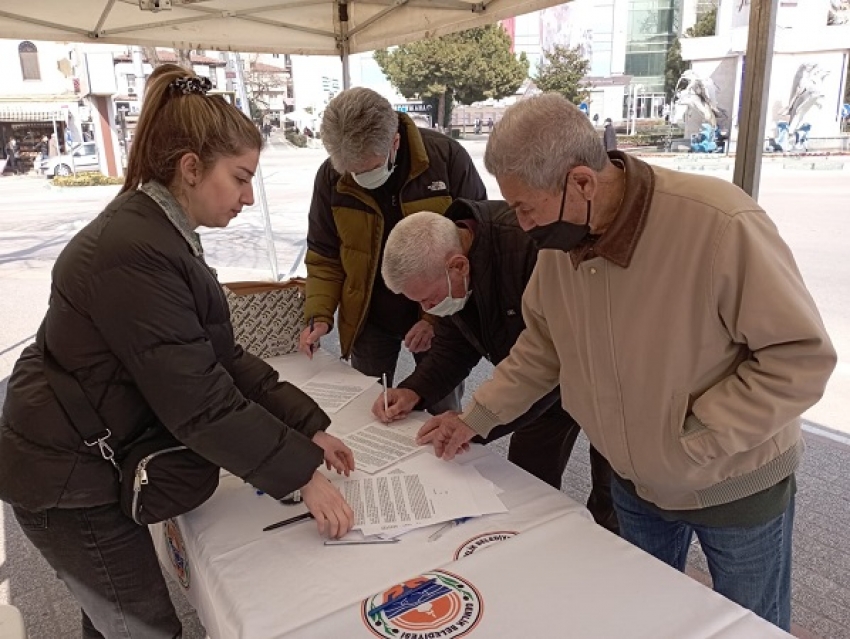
{"type": "Point", "coordinates": [541, 138]}
{"type": "Point", "coordinates": [358, 124]}
{"type": "Point", "coordinates": [418, 248]}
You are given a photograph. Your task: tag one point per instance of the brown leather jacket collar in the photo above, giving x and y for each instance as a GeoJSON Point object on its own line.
{"type": "Point", "coordinates": [618, 243]}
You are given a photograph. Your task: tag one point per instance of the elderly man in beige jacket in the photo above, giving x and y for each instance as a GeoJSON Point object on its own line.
{"type": "Point", "coordinates": [684, 340]}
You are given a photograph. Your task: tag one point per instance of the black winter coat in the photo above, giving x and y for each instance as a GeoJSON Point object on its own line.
{"type": "Point", "coordinates": [501, 259]}
{"type": "Point", "coordinates": [143, 325]}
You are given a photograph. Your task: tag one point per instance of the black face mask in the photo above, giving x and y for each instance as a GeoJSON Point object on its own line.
{"type": "Point", "coordinates": [560, 235]}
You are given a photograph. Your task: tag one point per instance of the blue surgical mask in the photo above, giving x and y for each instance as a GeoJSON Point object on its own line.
{"type": "Point", "coordinates": [451, 305]}
{"type": "Point", "coordinates": [377, 177]}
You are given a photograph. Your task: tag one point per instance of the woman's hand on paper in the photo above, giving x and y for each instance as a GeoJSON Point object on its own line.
{"type": "Point", "coordinates": [418, 338]}
{"type": "Point", "coordinates": [448, 433]}
{"type": "Point", "coordinates": [333, 515]}
{"type": "Point", "coordinates": [400, 401]}
{"type": "Point", "coordinates": [308, 341]}
{"type": "Point", "coordinates": [337, 455]}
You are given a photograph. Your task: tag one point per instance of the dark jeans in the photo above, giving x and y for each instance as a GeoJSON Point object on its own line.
{"type": "Point", "coordinates": [541, 445]}
{"type": "Point", "coordinates": [375, 352]}
{"type": "Point", "coordinates": [751, 566]}
{"type": "Point", "coordinates": [108, 563]}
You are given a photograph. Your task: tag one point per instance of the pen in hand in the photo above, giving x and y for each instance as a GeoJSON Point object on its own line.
{"type": "Point", "coordinates": [386, 402]}
{"type": "Point", "coordinates": [312, 328]}
{"type": "Point", "coordinates": [291, 520]}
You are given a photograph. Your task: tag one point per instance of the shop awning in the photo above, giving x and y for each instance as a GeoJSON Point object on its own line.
{"type": "Point", "coordinates": [31, 112]}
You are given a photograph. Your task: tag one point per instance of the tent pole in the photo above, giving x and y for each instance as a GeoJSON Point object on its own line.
{"type": "Point", "coordinates": [346, 72]}
{"type": "Point", "coordinates": [344, 46]}
{"type": "Point", "coordinates": [259, 186]}
{"type": "Point", "coordinates": [759, 61]}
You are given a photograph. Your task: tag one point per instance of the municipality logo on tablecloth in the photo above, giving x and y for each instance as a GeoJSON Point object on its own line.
{"type": "Point", "coordinates": [435, 604]}
{"type": "Point", "coordinates": [482, 541]}
{"type": "Point", "coordinates": [176, 551]}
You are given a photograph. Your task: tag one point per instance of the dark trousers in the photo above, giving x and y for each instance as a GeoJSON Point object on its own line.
{"type": "Point", "coordinates": [109, 564]}
{"type": "Point", "coordinates": [542, 442]}
{"type": "Point", "coordinates": [375, 352]}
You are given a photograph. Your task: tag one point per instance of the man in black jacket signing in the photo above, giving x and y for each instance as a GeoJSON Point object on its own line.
{"type": "Point", "coordinates": [470, 267]}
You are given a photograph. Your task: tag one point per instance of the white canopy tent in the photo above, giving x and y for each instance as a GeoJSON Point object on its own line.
{"type": "Point", "coordinates": [310, 27]}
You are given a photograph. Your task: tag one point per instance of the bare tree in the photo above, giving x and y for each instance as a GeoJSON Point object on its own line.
{"type": "Point", "coordinates": [184, 58]}
{"type": "Point", "coordinates": [151, 56]}
{"type": "Point", "coordinates": [263, 82]}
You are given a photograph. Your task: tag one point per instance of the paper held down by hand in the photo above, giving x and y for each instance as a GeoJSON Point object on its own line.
{"type": "Point", "coordinates": [419, 492]}
{"type": "Point", "coordinates": [378, 446]}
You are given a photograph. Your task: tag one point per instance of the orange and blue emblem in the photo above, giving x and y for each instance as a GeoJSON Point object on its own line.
{"type": "Point", "coordinates": [434, 602]}
{"type": "Point", "coordinates": [176, 551]}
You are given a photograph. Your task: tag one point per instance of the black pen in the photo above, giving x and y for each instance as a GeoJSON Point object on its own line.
{"type": "Point", "coordinates": [291, 520]}
{"type": "Point", "coordinates": [312, 326]}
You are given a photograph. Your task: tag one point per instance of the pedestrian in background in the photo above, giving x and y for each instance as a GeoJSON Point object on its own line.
{"type": "Point", "coordinates": [610, 136]}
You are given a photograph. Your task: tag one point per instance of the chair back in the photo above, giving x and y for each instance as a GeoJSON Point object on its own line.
{"type": "Point", "coordinates": [267, 317]}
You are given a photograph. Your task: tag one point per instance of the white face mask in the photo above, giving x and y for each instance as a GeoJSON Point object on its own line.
{"type": "Point", "coordinates": [375, 178]}
{"type": "Point", "coordinates": [451, 305]}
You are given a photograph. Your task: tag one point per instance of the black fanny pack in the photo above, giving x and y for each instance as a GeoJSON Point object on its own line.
{"type": "Point", "coordinates": [159, 477]}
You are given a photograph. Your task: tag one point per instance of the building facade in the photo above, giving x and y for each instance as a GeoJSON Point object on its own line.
{"type": "Point", "coordinates": [625, 41]}
{"type": "Point", "coordinates": [40, 95]}
{"type": "Point", "coordinates": [809, 67]}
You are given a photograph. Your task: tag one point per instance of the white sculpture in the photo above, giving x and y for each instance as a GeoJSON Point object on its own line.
{"type": "Point", "coordinates": [806, 92]}
{"type": "Point", "coordinates": [839, 12]}
{"type": "Point", "coordinates": [697, 93]}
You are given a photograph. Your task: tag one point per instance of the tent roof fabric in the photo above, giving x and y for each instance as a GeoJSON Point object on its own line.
{"type": "Point", "coordinates": [311, 27]}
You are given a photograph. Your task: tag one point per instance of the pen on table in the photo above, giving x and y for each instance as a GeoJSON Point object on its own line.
{"type": "Point", "coordinates": [386, 402]}
{"type": "Point", "coordinates": [442, 530]}
{"type": "Point", "coordinates": [358, 542]}
{"type": "Point", "coordinates": [291, 520]}
{"type": "Point", "coordinates": [406, 592]}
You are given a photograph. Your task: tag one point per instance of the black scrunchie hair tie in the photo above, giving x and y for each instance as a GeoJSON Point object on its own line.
{"type": "Point", "coordinates": [191, 84]}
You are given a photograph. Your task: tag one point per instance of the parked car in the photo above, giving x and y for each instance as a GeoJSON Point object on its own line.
{"type": "Point", "coordinates": [82, 158]}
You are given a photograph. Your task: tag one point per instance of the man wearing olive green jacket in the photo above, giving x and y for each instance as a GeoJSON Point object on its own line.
{"type": "Point", "coordinates": [683, 338]}
{"type": "Point", "coordinates": [381, 168]}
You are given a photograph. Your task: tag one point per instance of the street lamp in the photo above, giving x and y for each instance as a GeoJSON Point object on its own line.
{"type": "Point", "coordinates": [635, 90]}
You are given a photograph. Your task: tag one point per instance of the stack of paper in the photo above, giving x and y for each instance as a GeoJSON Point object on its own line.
{"type": "Point", "coordinates": [420, 492]}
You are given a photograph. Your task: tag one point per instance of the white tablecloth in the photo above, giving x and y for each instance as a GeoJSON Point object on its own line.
{"type": "Point", "coordinates": [543, 569]}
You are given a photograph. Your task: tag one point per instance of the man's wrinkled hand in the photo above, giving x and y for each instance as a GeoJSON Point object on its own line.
{"type": "Point", "coordinates": [337, 455]}
{"type": "Point", "coordinates": [308, 341]}
{"type": "Point", "coordinates": [418, 338]}
{"type": "Point", "coordinates": [448, 433]}
{"type": "Point", "coordinates": [333, 515]}
{"type": "Point", "coordinates": [400, 401]}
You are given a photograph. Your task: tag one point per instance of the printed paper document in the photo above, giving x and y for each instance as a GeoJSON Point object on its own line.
{"type": "Point", "coordinates": [377, 446]}
{"type": "Point", "coordinates": [332, 391]}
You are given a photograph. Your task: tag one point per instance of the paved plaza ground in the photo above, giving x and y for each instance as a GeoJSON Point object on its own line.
{"type": "Point", "coordinates": [808, 199]}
